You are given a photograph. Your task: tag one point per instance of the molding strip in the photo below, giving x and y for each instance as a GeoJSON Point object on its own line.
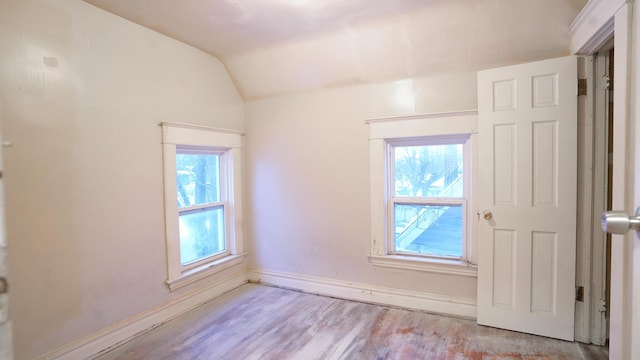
{"type": "Point", "coordinates": [433, 303]}
{"type": "Point", "coordinates": [208, 269]}
{"type": "Point", "coordinates": [422, 116]}
{"type": "Point", "coordinates": [438, 266]}
{"type": "Point", "coordinates": [593, 27]}
{"type": "Point", "coordinates": [201, 127]}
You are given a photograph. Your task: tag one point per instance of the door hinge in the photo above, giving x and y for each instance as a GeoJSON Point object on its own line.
{"type": "Point", "coordinates": [602, 306]}
{"type": "Point", "coordinates": [582, 87]}
{"type": "Point", "coordinates": [580, 293]}
{"type": "Point", "coordinates": [606, 82]}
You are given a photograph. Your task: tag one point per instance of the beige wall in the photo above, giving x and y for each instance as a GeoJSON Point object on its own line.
{"type": "Point", "coordinates": [308, 179]}
{"type": "Point", "coordinates": [82, 93]}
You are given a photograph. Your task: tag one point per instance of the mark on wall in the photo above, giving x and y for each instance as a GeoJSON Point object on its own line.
{"type": "Point", "coordinates": [50, 61]}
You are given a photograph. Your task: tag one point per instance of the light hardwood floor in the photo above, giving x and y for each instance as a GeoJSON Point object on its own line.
{"type": "Point", "coordinates": [262, 322]}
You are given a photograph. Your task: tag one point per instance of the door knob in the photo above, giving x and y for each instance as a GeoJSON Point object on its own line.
{"type": "Point", "coordinates": [487, 215]}
{"type": "Point", "coordinates": [618, 222]}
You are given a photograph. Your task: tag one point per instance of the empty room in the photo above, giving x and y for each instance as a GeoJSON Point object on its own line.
{"type": "Point", "coordinates": [319, 179]}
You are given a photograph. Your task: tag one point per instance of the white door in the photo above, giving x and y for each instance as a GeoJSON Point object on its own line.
{"type": "Point", "coordinates": [527, 119]}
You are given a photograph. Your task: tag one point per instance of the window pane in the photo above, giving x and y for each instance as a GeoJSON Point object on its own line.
{"type": "Point", "coordinates": [429, 170]}
{"type": "Point", "coordinates": [428, 229]}
{"type": "Point", "coordinates": [201, 234]}
{"type": "Point", "coordinates": [198, 179]}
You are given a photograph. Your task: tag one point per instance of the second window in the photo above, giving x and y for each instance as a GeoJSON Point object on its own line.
{"type": "Point", "coordinates": [427, 196]}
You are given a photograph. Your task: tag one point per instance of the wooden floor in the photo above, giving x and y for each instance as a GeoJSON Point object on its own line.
{"type": "Point", "coordinates": [261, 322]}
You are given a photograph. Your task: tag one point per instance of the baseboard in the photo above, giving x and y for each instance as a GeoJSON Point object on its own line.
{"type": "Point", "coordinates": [103, 340]}
{"type": "Point", "coordinates": [434, 303]}
{"type": "Point", "coordinates": [111, 336]}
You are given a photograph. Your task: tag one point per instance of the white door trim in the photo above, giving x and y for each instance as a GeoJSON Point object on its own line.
{"type": "Point", "coordinates": [594, 26]}
{"type": "Point", "coordinates": [621, 257]}
{"type": "Point", "coordinates": [598, 263]}
{"type": "Point", "coordinates": [599, 20]}
{"type": "Point", "coordinates": [590, 324]}
{"type": "Point", "coordinates": [586, 192]}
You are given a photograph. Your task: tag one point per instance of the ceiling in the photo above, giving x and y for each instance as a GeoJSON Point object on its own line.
{"type": "Point", "coordinates": [225, 27]}
{"type": "Point", "coordinates": [272, 47]}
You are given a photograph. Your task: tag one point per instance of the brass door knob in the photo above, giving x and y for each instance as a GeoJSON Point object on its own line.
{"type": "Point", "coordinates": [487, 215]}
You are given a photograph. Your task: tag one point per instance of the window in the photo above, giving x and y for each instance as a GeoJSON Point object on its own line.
{"type": "Point", "coordinates": [427, 202]}
{"type": "Point", "coordinates": [201, 204]}
{"type": "Point", "coordinates": [202, 201]}
{"type": "Point", "coordinates": [421, 172]}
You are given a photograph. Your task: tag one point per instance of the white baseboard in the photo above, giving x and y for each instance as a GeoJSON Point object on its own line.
{"type": "Point", "coordinates": [97, 343]}
{"type": "Point", "coordinates": [102, 340]}
{"type": "Point", "coordinates": [435, 303]}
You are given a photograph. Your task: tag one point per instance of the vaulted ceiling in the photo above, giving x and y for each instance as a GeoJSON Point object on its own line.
{"type": "Point", "coordinates": [272, 47]}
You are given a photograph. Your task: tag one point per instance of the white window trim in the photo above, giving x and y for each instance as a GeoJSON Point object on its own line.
{"type": "Point", "coordinates": [383, 130]}
{"type": "Point", "coordinates": [229, 141]}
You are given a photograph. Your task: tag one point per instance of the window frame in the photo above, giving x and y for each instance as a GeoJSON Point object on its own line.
{"type": "Point", "coordinates": [393, 199]}
{"type": "Point", "coordinates": [184, 137]}
{"type": "Point", "coordinates": [385, 131]}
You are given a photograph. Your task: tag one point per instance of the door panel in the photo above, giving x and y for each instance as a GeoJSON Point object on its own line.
{"type": "Point", "coordinates": [527, 149]}
{"type": "Point", "coordinates": [545, 159]}
{"type": "Point", "coordinates": [505, 156]}
{"type": "Point", "coordinates": [504, 270]}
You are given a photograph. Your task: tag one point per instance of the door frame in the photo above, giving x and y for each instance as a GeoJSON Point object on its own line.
{"type": "Point", "coordinates": [593, 28]}
{"type": "Point", "coordinates": [590, 324]}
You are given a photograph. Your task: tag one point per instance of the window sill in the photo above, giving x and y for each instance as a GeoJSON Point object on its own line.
{"type": "Point", "coordinates": [439, 266]}
{"type": "Point", "coordinates": [192, 275]}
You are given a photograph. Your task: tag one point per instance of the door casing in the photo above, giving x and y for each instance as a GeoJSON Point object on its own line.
{"type": "Point", "coordinates": [592, 29]}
